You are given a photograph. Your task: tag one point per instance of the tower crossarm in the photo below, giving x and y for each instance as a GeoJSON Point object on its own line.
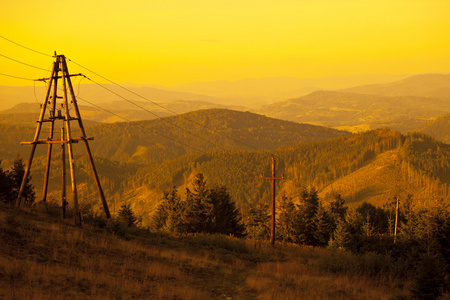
{"type": "Point", "coordinates": [57, 141]}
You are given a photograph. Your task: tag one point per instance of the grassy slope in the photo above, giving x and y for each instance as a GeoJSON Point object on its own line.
{"type": "Point", "coordinates": [44, 258]}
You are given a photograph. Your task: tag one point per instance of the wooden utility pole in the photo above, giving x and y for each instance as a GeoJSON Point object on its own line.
{"type": "Point", "coordinates": [60, 71]}
{"type": "Point", "coordinates": [396, 219]}
{"type": "Point", "coordinates": [273, 178]}
{"type": "Point", "coordinates": [63, 176]}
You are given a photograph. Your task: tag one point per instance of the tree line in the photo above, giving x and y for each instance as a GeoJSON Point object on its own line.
{"type": "Point", "coordinates": [419, 245]}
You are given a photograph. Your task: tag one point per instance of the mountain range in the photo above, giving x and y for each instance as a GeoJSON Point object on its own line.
{"type": "Point", "coordinates": [358, 112]}
{"type": "Point", "coordinates": [137, 164]}
{"type": "Point", "coordinates": [403, 105]}
{"type": "Point", "coordinates": [142, 149]}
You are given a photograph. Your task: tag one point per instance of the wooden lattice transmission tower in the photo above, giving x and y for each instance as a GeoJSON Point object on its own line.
{"type": "Point", "coordinates": [69, 103]}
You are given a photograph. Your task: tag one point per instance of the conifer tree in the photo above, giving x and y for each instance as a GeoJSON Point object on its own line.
{"type": "Point", "coordinates": [342, 237]}
{"type": "Point", "coordinates": [16, 176]}
{"type": "Point", "coordinates": [324, 226]}
{"type": "Point", "coordinates": [165, 209]}
{"type": "Point", "coordinates": [305, 221]}
{"type": "Point", "coordinates": [204, 210]}
{"type": "Point", "coordinates": [225, 217]}
{"type": "Point", "coordinates": [257, 222]}
{"type": "Point", "coordinates": [337, 212]}
{"type": "Point", "coordinates": [127, 215]}
{"type": "Point", "coordinates": [286, 216]}
{"type": "Point", "coordinates": [5, 186]}
{"type": "Point", "coordinates": [197, 207]}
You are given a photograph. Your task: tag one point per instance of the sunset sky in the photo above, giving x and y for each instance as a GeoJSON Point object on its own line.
{"type": "Point", "coordinates": [171, 42]}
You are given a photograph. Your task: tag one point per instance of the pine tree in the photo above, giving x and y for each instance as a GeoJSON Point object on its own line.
{"type": "Point", "coordinates": [324, 226]}
{"type": "Point", "coordinates": [127, 216]}
{"type": "Point", "coordinates": [305, 221]}
{"type": "Point", "coordinates": [196, 215]}
{"type": "Point", "coordinates": [342, 237]}
{"type": "Point", "coordinates": [15, 176]}
{"type": "Point", "coordinates": [257, 222]}
{"type": "Point", "coordinates": [5, 186]}
{"type": "Point", "coordinates": [174, 208]}
{"type": "Point", "coordinates": [225, 217]}
{"type": "Point", "coordinates": [285, 219]}
{"type": "Point", "coordinates": [337, 212]}
{"type": "Point", "coordinates": [161, 215]}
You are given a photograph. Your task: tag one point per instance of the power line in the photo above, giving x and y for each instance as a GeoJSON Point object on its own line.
{"type": "Point", "coordinates": [135, 123]}
{"type": "Point", "coordinates": [24, 46]}
{"type": "Point", "coordinates": [163, 119]}
{"type": "Point", "coordinates": [163, 107]}
{"type": "Point", "coordinates": [128, 90]}
{"type": "Point", "coordinates": [17, 77]}
{"type": "Point", "coordinates": [20, 62]}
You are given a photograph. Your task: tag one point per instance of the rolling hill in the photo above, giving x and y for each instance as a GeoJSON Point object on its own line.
{"type": "Point", "coordinates": [374, 166]}
{"type": "Point", "coordinates": [358, 112]}
{"type": "Point", "coordinates": [155, 141]}
{"type": "Point", "coordinates": [200, 131]}
{"type": "Point", "coordinates": [13, 95]}
{"type": "Point", "coordinates": [424, 85]}
{"type": "Point", "coordinates": [117, 111]}
{"type": "Point", "coordinates": [136, 165]}
{"type": "Point", "coordinates": [439, 128]}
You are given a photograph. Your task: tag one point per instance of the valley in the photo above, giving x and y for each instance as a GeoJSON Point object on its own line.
{"type": "Point", "coordinates": [327, 144]}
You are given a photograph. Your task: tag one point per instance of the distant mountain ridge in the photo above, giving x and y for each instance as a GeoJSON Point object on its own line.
{"type": "Point", "coordinates": [424, 85]}
{"type": "Point", "coordinates": [262, 90]}
{"type": "Point", "coordinates": [245, 92]}
{"type": "Point", "coordinates": [358, 112]}
{"type": "Point", "coordinates": [117, 111]}
{"type": "Point", "coordinates": [13, 95]}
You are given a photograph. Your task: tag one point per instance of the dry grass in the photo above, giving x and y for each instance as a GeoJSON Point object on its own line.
{"type": "Point", "coordinates": [42, 258]}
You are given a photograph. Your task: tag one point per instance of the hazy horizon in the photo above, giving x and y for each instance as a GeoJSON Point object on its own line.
{"type": "Point", "coordinates": [179, 42]}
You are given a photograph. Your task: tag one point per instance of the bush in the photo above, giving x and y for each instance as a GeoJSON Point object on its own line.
{"type": "Point", "coordinates": [117, 227]}
{"type": "Point", "coordinates": [429, 279]}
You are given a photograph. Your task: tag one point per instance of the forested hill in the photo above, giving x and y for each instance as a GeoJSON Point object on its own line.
{"type": "Point", "coordinates": [156, 141]}
{"type": "Point", "coordinates": [405, 165]}
{"type": "Point", "coordinates": [358, 112]}
{"type": "Point", "coordinates": [439, 128]}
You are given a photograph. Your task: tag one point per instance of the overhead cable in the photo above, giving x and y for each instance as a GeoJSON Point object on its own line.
{"type": "Point", "coordinates": [135, 123]}
{"type": "Point", "coordinates": [17, 77]}
{"type": "Point", "coordinates": [24, 46]}
{"type": "Point", "coordinates": [20, 62]}
{"type": "Point", "coordinates": [163, 107]}
{"type": "Point", "coordinates": [159, 117]}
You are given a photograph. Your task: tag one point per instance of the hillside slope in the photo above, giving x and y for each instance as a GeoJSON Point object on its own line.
{"type": "Point", "coordinates": [165, 139]}
{"type": "Point", "coordinates": [43, 257]}
{"type": "Point", "coordinates": [374, 166]}
{"type": "Point", "coordinates": [439, 128]}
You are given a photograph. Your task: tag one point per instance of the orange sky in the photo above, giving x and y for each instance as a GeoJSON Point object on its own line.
{"type": "Point", "coordinates": [170, 42]}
